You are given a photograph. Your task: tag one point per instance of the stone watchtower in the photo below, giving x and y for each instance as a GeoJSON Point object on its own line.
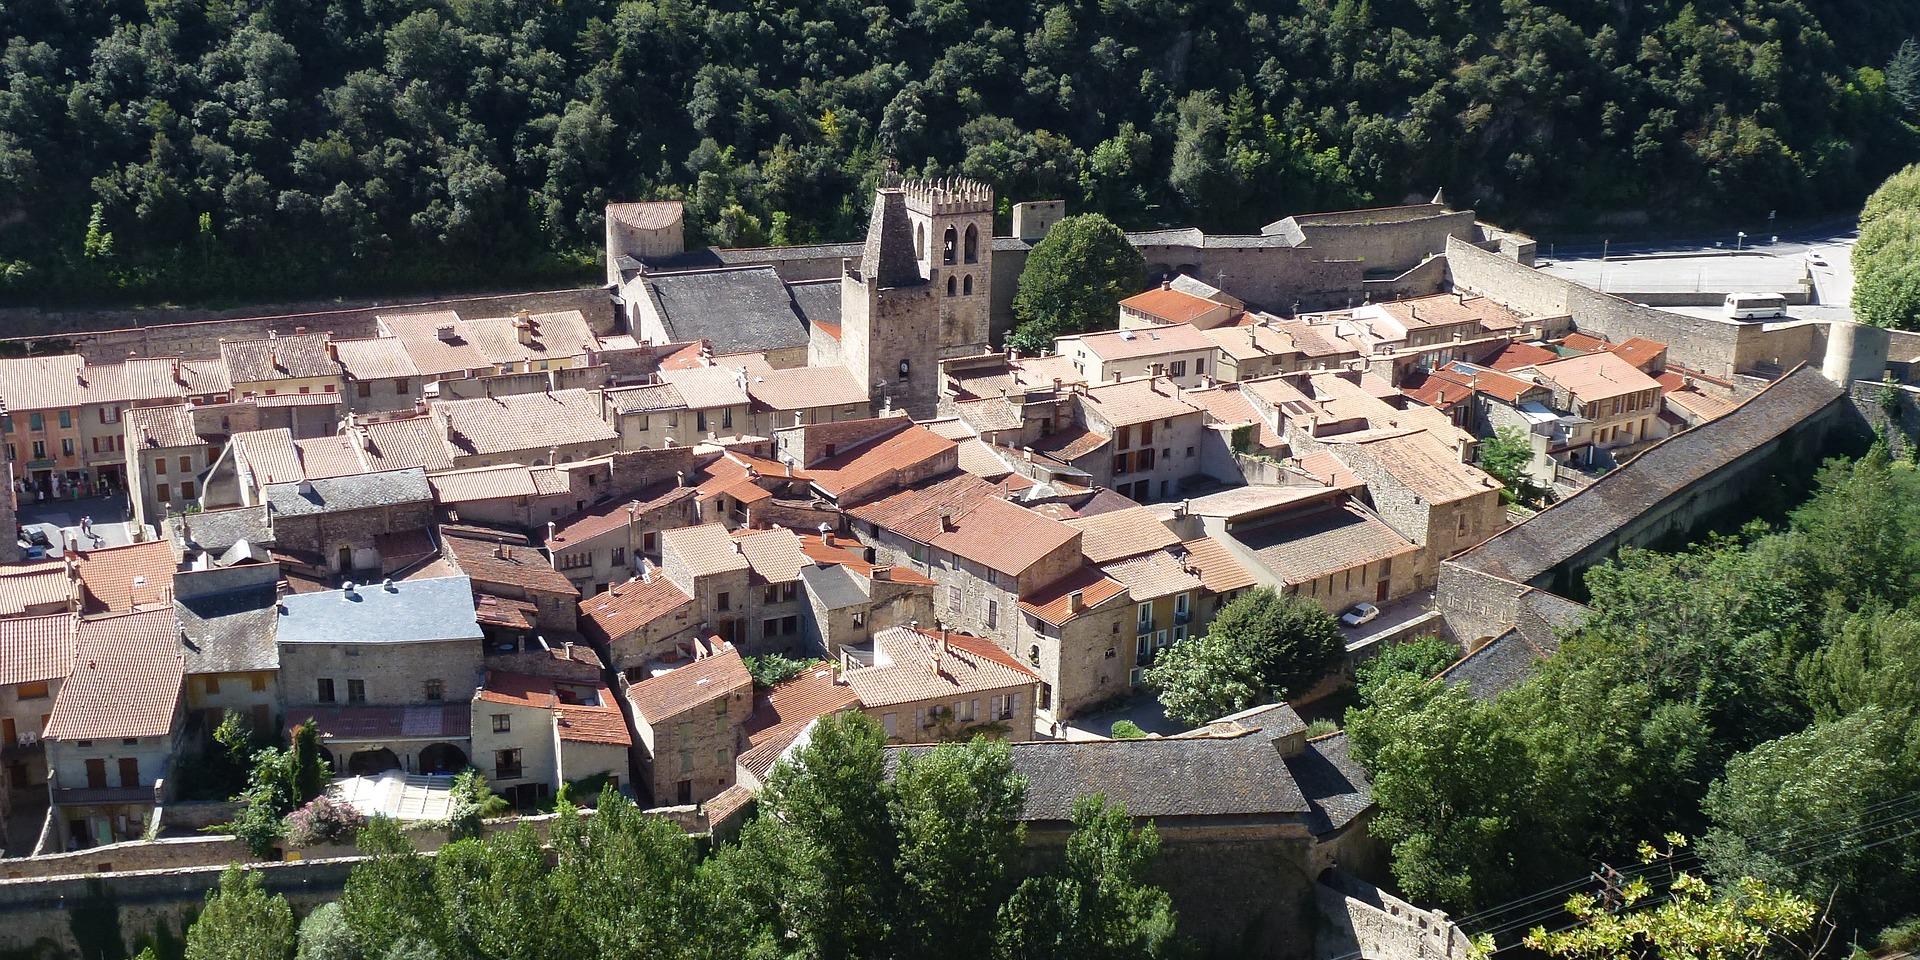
{"type": "Point", "coordinates": [921, 291]}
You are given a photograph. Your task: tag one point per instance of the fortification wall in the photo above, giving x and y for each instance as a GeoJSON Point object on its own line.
{"type": "Point", "coordinates": [1477, 605]}
{"type": "Point", "coordinates": [1388, 245]}
{"type": "Point", "coordinates": [197, 333]}
{"type": "Point", "coordinates": [1362, 920]}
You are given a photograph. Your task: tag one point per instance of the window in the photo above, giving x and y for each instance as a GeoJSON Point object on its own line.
{"type": "Point", "coordinates": [726, 419]}
{"type": "Point", "coordinates": [186, 490]}
{"type": "Point", "coordinates": [700, 420]}
{"type": "Point", "coordinates": [1119, 464]}
{"type": "Point", "coordinates": [305, 390]}
{"type": "Point", "coordinates": [789, 591]}
{"type": "Point", "coordinates": [356, 691]}
{"type": "Point", "coordinates": [96, 773]}
{"type": "Point", "coordinates": [1190, 449]}
{"type": "Point", "coordinates": [1125, 439]}
{"type": "Point", "coordinates": [160, 466]}
{"type": "Point", "coordinates": [402, 386]}
{"type": "Point", "coordinates": [686, 761]}
{"type": "Point", "coordinates": [37, 690]}
{"type": "Point", "coordinates": [39, 449]}
{"type": "Point", "coordinates": [211, 683]}
{"type": "Point", "coordinates": [964, 710]}
{"type": "Point", "coordinates": [769, 627]}
{"type": "Point", "coordinates": [993, 614]}
{"type": "Point", "coordinates": [66, 419]}
{"type": "Point", "coordinates": [953, 286]}
{"type": "Point", "coordinates": [66, 446]}
{"type": "Point", "coordinates": [648, 542]}
{"type": "Point", "coordinates": [362, 388]}
{"type": "Point", "coordinates": [258, 682]}
{"type": "Point", "coordinates": [966, 286]}
{"type": "Point", "coordinates": [163, 493]}
{"type": "Point", "coordinates": [1199, 366]}
{"type": "Point", "coordinates": [434, 689]}
{"type": "Point", "coordinates": [889, 723]}
{"type": "Point", "coordinates": [619, 555]}
{"type": "Point", "coordinates": [502, 723]}
{"type": "Point", "coordinates": [725, 602]}
{"type": "Point", "coordinates": [36, 421]}
{"type": "Point", "coordinates": [772, 594]}
{"type": "Point", "coordinates": [1146, 434]}
{"type": "Point", "coordinates": [326, 690]}
{"type": "Point", "coordinates": [1177, 368]}
{"type": "Point", "coordinates": [506, 764]}
{"type": "Point", "coordinates": [1146, 617]}
{"type": "Point", "coordinates": [789, 625]}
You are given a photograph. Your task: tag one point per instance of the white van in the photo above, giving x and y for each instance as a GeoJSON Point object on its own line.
{"type": "Point", "coordinates": [1756, 306]}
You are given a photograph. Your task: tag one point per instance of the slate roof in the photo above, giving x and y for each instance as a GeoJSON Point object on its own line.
{"type": "Point", "coordinates": [125, 681]}
{"type": "Point", "coordinates": [410, 611]}
{"type": "Point", "coordinates": [834, 587]}
{"type": "Point", "coordinates": [215, 530]}
{"type": "Point", "coordinates": [375, 358]}
{"type": "Point", "coordinates": [739, 310]}
{"type": "Point", "coordinates": [523, 566]}
{"type": "Point", "coordinates": [1498, 666]}
{"type": "Point", "coordinates": [1527, 550]}
{"type": "Point", "coordinates": [523, 421]}
{"type": "Point", "coordinates": [818, 302]}
{"type": "Point", "coordinates": [363, 491]}
{"type": "Point", "coordinates": [442, 721]}
{"type": "Point", "coordinates": [230, 632]}
{"type": "Point", "coordinates": [35, 648]}
{"type": "Point", "coordinates": [670, 694]}
{"type": "Point", "coordinates": [1337, 787]}
{"type": "Point", "coordinates": [1303, 546]}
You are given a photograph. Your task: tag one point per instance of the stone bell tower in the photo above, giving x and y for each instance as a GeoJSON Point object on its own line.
{"type": "Point", "coordinates": [921, 291]}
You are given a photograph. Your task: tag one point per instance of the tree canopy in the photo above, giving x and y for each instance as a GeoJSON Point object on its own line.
{"type": "Point", "coordinates": [266, 147]}
{"type": "Point", "coordinates": [1074, 281]}
{"type": "Point", "coordinates": [1261, 648]}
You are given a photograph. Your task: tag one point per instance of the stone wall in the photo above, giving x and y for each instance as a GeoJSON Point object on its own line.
{"type": "Point", "coordinates": [1359, 919]}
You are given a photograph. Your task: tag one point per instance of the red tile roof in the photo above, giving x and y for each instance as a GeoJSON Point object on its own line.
{"type": "Point", "coordinates": [1585, 343]}
{"type": "Point", "coordinates": [1440, 389]}
{"type": "Point", "coordinates": [1220, 570]}
{"type": "Point", "coordinates": [1169, 305]}
{"type": "Point", "coordinates": [670, 694]}
{"type": "Point", "coordinates": [125, 680]}
{"type": "Point", "coordinates": [1515, 355]}
{"type": "Point", "coordinates": [632, 605]}
{"type": "Point", "coordinates": [1122, 533]}
{"type": "Point", "coordinates": [523, 566]}
{"type": "Point", "coordinates": [1054, 602]}
{"type": "Point", "coordinates": [914, 665]}
{"type": "Point", "coordinates": [596, 722]}
{"type": "Point", "coordinates": [809, 695]}
{"type": "Point", "coordinates": [613, 514]}
{"type": "Point", "coordinates": [138, 576]}
{"type": "Point", "coordinates": [1639, 351]}
{"type": "Point", "coordinates": [915, 512]}
{"type": "Point", "coordinates": [855, 469]}
{"type": "Point", "coordinates": [1000, 536]}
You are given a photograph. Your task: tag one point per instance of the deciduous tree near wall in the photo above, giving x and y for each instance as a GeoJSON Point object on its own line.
{"type": "Point", "coordinates": [1261, 648]}
{"type": "Point", "coordinates": [1886, 261]}
{"type": "Point", "coordinates": [1074, 281]}
{"type": "Point", "coordinates": [242, 922]}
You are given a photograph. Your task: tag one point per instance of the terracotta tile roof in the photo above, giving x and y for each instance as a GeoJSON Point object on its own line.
{"type": "Point", "coordinates": [1327, 469]}
{"type": "Point", "coordinates": [375, 358]}
{"type": "Point", "coordinates": [1220, 570]}
{"type": "Point", "coordinates": [125, 680]}
{"type": "Point", "coordinates": [803, 388]}
{"type": "Point", "coordinates": [648, 398]}
{"type": "Point", "coordinates": [585, 712]}
{"type": "Point", "coordinates": [1121, 533]}
{"type": "Point", "coordinates": [913, 665]}
{"type": "Point", "coordinates": [550, 480]}
{"type": "Point", "coordinates": [504, 612]}
{"type": "Point", "coordinates": [36, 648]}
{"type": "Point", "coordinates": [1585, 343]}
{"type": "Point", "coordinates": [1136, 401]}
{"type": "Point", "coordinates": [991, 414]}
{"type": "Point", "coordinates": [451, 720]}
{"type": "Point", "coordinates": [1071, 444]}
{"type": "Point", "coordinates": [523, 566]}
{"type": "Point", "coordinates": [45, 383]}
{"type": "Point", "coordinates": [406, 442]}
{"type": "Point", "coordinates": [774, 555]}
{"type": "Point", "coordinates": [162, 427]}
{"type": "Point", "coordinates": [482, 483]}
{"type": "Point", "coordinates": [205, 377]}
{"type": "Point", "coordinates": [1704, 406]}
{"type": "Point", "coordinates": [855, 469]}
{"type": "Point", "coordinates": [554, 336]}
{"type": "Point", "coordinates": [702, 550]}
{"type": "Point", "coordinates": [1424, 464]}
{"type": "Point", "coordinates": [722, 806]}
{"type": "Point", "coordinates": [294, 357]}
{"type": "Point", "coordinates": [297, 400]}
{"type": "Point", "coordinates": [1493, 383]}
{"type": "Point", "coordinates": [809, 695]}
{"type": "Point", "coordinates": [1596, 376]}
{"type": "Point", "coordinates": [433, 357]}
{"type": "Point", "coordinates": [1146, 342]}
{"type": "Point", "coordinates": [1439, 389]}
{"type": "Point", "coordinates": [704, 388]}
{"type": "Point", "coordinates": [39, 588]}
{"type": "Point", "coordinates": [914, 513]}
{"type": "Point", "coordinates": [1054, 602]}
{"type": "Point", "coordinates": [1169, 305]}
{"type": "Point", "coordinates": [685, 358]}
{"type": "Point", "coordinates": [522, 422]}
{"type": "Point", "coordinates": [646, 215]}
{"type": "Point", "coordinates": [323, 458]}
{"type": "Point", "coordinates": [269, 454]}
{"type": "Point", "coordinates": [1447, 309]}
{"type": "Point", "coordinates": [1000, 536]}
{"type": "Point", "coordinates": [1153, 575]}
{"type": "Point", "coordinates": [1639, 351]}
{"type": "Point", "coordinates": [138, 576]}
{"type": "Point", "coordinates": [1515, 355]}
{"type": "Point", "coordinates": [632, 605]}
{"type": "Point", "coordinates": [662, 697]}
{"type": "Point", "coordinates": [613, 514]}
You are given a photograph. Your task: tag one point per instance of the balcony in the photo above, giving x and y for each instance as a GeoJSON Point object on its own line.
{"type": "Point", "coordinates": [512, 772]}
{"type": "Point", "coordinates": [1182, 617]}
{"type": "Point", "coordinates": [1144, 627]}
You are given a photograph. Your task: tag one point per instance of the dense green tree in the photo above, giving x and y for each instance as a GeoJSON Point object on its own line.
{"type": "Point", "coordinates": [1505, 456]}
{"type": "Point", "coordinates": [1826, 812]}
{"type": "Point", "coordinates": [1261, 648]}
{"type": "Point", "coordinates": [324, 936]}
{"type": "Point", "coordinates": [1074, 281]}
{"type": "Point", "coordinates": [242, 921]}
{"type": "Point", "coordinates": [389, 902]}
{"type": "Point", "coordinates": [955, 811]}
{"type": "Point", "coordinates": [623, 881]}
{"type": "Point", "coordinates": [1100, 905]}
{"type": "Point", "coordinates": [1903, 76]}
{"type": "Point", "coordinates": [1873, 660]}
{"type": "Point", "coordinates": [310, 771]}
{"type": "Point", "coordinates": [1420, 658]}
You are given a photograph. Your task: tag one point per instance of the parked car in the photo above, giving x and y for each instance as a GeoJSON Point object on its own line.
{"type": "Point", "coordinates": [34, 537]}
{"type": "Point", "coordinates": [1360, 614]}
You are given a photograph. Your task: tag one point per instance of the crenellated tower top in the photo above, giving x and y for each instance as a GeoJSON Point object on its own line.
{"type": "Point", "coordinates": [947, 196]}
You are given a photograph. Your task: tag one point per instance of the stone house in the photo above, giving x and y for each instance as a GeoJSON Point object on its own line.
{"type": "Point", "coordinates": [805, 395]}
{"type": "Point", "coordinates": [716, 405]}
{"type": "Point", "coordinates": [387, 670]}
{"type": "Point", "coordinates": [709, 567]}
{"type": "Point", "coordinates": [36, 655]}
{"type": "Point", "coordinates": [1321, 545]}
{"type": "Point", "coordinates": [227, 618]}
{"type": "Point", "coordinates": [650, 415]}
{"type": "Point", "coordinates": [1078, 636]}
{"type": "Point", "coordinates": [532, 734]}
{"type": "Point", "coordinates": [849, 597]}
{"type": "Point", "coordinates": [605, 544]}
{"type": "Point", "coordinates": [114, 729]}
{"type": "Point", "coordinates": [337, 525]}
{"type": "Point", "coordinates": [505, 566]}
{"type": "Point", "coordinates": [1157, 437]}
{"type": "Point", "coordinates": [380, 380]}
{"type": "Point", "coordinates": [1622, 403]}
{"type": "Point", "coordinates": [167, 459]}
{"type": "Point", "coordinates": [689, 719]}
{"type": "Point", "coordinates": [1419, 486]}
{"type": "Point", "coordinates": [535, 342]}
{"type": "Point", "coordinates": [438, 342]}
{"type": "Point", "coordinates": [1180, 352]}
{"type": "Point", "coordinates": [927, 685]}
{"type": "Point", "coordinates": [640, 620]}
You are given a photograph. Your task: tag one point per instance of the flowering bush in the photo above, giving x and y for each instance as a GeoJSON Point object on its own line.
{"type": "Point", "coordinates": [324, 820]}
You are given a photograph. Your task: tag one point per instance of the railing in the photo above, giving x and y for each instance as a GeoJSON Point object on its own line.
{"type": "Point", "coordinates": [507, 773]}
{"type": "Point", "coordinates": [1182, 617]}
{"type": "Point", "coordinates": [1145, 626]}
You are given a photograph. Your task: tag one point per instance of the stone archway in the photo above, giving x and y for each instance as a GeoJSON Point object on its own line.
{"type": "Point", "coordinates": [442, 758]}
{"type": "Point", "coordinates": [367, 763]}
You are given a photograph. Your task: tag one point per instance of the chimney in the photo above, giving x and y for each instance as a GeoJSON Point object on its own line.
{"type": "Point", "coordinates": [882, 573]}
{"type": "Point", "coordinates": [1075, 601]}
{"type": "Point", "coordinates": [946, 518]}
{"type": "Point", "coordinates": [178, 375]}
{"type": "Point", "coordinates": [500, 549]}
{"type": "Point", "coordinates": [1166, 284]}
{"type": "Point", "coordinates": [680, 478]}
{"type": "Point", "coordinates": [347, 593]}
{"type": "Point", "coordinates": [552, 529]}
{"type": "Point", "coordinates": [388, 586]}
{"type": "Point", "coordinates": [567, 649]}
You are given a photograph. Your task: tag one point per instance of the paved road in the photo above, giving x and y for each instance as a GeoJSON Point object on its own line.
{"type": "Point", "coordinates": [60, 518]}
{"type": "Point", "coordinates": [1825, 255]}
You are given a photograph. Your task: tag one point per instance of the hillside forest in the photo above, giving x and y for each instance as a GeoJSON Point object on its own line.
{"type": "Point", "coordinates": [205, 149]}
